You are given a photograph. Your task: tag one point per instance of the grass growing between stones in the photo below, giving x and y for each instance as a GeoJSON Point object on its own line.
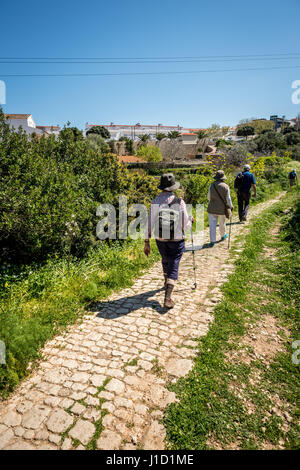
{"type": "Point", "coordinates": [37, 304]}
{"type": "Point", "coordinates": [243, 389]}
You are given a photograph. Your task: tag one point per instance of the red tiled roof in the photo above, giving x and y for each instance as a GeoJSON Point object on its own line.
{"type": "Point", "coordinates": [189, 133]}
{"type": "Point", "coordinates": [48, 127]}
{"type": "Point", "coordinates": [134, 125]}
{"type": "Point", "coordinates": [17, 116]}
{"type": "Point", "coordinates": [130, 159]}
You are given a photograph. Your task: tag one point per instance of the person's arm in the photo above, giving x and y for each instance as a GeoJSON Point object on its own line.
{"type": "Point", "coordinates": [208, 194]}
{"type": "Point", "coordinates": [148, 230]}
{"type": "Point", "coordinates": [228, 199]}
{"type": "Point", "coordinates": [186, 220]}
{"type": "Point", "coordinates": [254, 185]}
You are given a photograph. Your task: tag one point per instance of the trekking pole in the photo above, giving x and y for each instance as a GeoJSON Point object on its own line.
{"type": "Point", "coordinates": [229, 233]}
{"type": "Point", "coordinates": [194, 264]}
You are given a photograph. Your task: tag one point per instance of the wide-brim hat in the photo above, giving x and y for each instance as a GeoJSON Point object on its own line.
{"type": "Point", "coordinates": [220, 175]}
{"type": "Point", "coordinates": [168, 182]}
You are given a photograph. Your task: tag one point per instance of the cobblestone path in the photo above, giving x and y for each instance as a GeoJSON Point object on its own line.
{"type": "Point", "coordinates": [119, 359]}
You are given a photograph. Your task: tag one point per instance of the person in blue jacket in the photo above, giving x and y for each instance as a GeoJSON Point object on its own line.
{"type": "Point", "coordinates": [243, 183]}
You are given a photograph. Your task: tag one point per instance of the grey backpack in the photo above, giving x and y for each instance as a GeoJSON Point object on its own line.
{"type": "Point", "coordinates": [168, 220]}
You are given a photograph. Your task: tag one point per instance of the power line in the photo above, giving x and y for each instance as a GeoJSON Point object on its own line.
{"type": "Point", "coordinates": [291, 54]}
{"type": "Point", "coordinates": [63, 62]}
{"type": "Point", "coordinates": [150, 73]}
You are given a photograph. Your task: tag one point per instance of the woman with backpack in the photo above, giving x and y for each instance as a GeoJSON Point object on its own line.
{"type": "Point", "coordinates": [219, 207]}
{"type": "Point", "coordinates": [167, 221]}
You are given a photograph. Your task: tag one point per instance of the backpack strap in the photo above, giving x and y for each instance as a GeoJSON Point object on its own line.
{"type": "Point", "coordinates": [176, 200]}
{"type": "Point", "coordinates": [224, 202]}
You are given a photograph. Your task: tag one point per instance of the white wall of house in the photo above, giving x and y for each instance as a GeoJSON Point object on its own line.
{"type": "Point", "coordinates": [55, 130]}
{"type": "Point", "coordinates": [134, 131]}
{"type": "Point", "coordinates": [27, 124]}
{"type": "Point", "coordinates": [189, 139]}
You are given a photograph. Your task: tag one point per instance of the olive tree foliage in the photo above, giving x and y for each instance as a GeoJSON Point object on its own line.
{"type": "Point", "coordinates": [100, 130]}
{"type": "Point", "coordinates": [97, 143]}
{"type": "Point", "coordinates": [236, 155]}
{"type": "Point", "coordinates": [245, 131]}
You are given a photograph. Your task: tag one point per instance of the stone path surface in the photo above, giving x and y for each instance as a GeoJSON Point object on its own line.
{"type": "Point", "coordinates": [118, 362]}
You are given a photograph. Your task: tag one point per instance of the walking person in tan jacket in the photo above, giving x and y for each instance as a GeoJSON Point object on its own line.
{"type": "Point", "coordinates": [219, 199]}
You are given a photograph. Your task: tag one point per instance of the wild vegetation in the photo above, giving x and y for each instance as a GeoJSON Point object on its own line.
{"type": "Point", "coordinates": [52, 265]}
{"type": "Point", "coordinates": [243, 390]}
{"type": "Point", "coordinates": [50, 189]}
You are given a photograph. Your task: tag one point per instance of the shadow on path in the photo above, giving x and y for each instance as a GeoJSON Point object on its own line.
{"type": "Point", "coordinates": [114, 309]}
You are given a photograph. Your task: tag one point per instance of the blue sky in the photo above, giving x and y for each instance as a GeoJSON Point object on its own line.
{"type": "Point", "coordinates": [155, 28]}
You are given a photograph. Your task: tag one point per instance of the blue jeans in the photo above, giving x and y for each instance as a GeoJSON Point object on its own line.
{"type": "Point", "coordinates": [171, 253]}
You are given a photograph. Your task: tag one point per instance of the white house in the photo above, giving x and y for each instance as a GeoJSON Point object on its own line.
{"type": "Point", "coordinates": [55, 130]}
{"type": "Point", "coordinates": [26, 122]}
{"type": "Point", "coordinates": [188, 138]}
{"type": "Point", "coordinates": [133, 131]}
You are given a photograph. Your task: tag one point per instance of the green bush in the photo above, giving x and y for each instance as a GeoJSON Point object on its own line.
{"type": "Point", "coordinates": [48, 184]}
{"type": "Point", "coordinates": [150, 153]}
{"type": "Point", "coordinates": [196, 188]}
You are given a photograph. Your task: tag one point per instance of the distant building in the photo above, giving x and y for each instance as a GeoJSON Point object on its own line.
{"type": "Point", "coordinates": [133, 131]}
{"type": "Point", "coordinates": [188, 138]}
{"type": "Point", "coordinates": [26, 122]}
{"type": "Point", "coordinates": [50, 129]}
{"type": "Point", "coordinates": [278, 121]}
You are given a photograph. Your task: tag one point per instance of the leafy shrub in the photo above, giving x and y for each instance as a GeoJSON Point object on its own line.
{"type": "Point", "coordinates": [150, 153]}
{"type": "Point", "coordinates": [196, 188]}
{"type": "Point", "coordinates": [97, 143]}
{"type": "Point", "coordinates": [100, 130]}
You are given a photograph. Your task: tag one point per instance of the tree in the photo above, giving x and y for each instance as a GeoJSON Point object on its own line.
{"type": "Point", "coordinates": [214, 131]}
{"type": "Point", "coordinates": [259, 125]}
{"type": "Point", "coordinates": [129, 145]}
{"type": "Point", "coordinates": [149, 153]}
{"type": "Point", "coordinates": [171, 149]}
{"type": "Point", "coordinates": [98, 144]}
{"type": "Point", "coordinates": [268, 142]}
{"type": "Point", "coordinates": [173, 135]}
{"type": "Point", "coordinates": [160, 136]}
{"type": "Point", "coordinates": [202, 140]}
{"type": "Point", "coordinates": [201, 134]}
{"type": "Point", "coordinates": [245, 131]}
{"type": "Point", "coordinates": [292, 138]}
{"type": "Point", "coordinates": [225, 130]}
{"type": "Point", "coordinates": [100, 130]}
{"type": "Point", "coordinates": [71, 132]}
{"type": "Point", "coordinates": [144, 138]}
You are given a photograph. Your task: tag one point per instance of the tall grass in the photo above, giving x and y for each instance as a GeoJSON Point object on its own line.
{"type": "Point", "coordinates": [38, 303]}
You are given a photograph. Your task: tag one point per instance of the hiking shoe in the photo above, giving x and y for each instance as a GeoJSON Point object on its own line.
{"type": "Point", "coordinates": [211, 244]}
{"type": "Point", "coordinates": [168, 303]}
{"type": "Point", "coordinates": [225, 236]}
{"type": "Point", "coordinates": [244, 219]}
